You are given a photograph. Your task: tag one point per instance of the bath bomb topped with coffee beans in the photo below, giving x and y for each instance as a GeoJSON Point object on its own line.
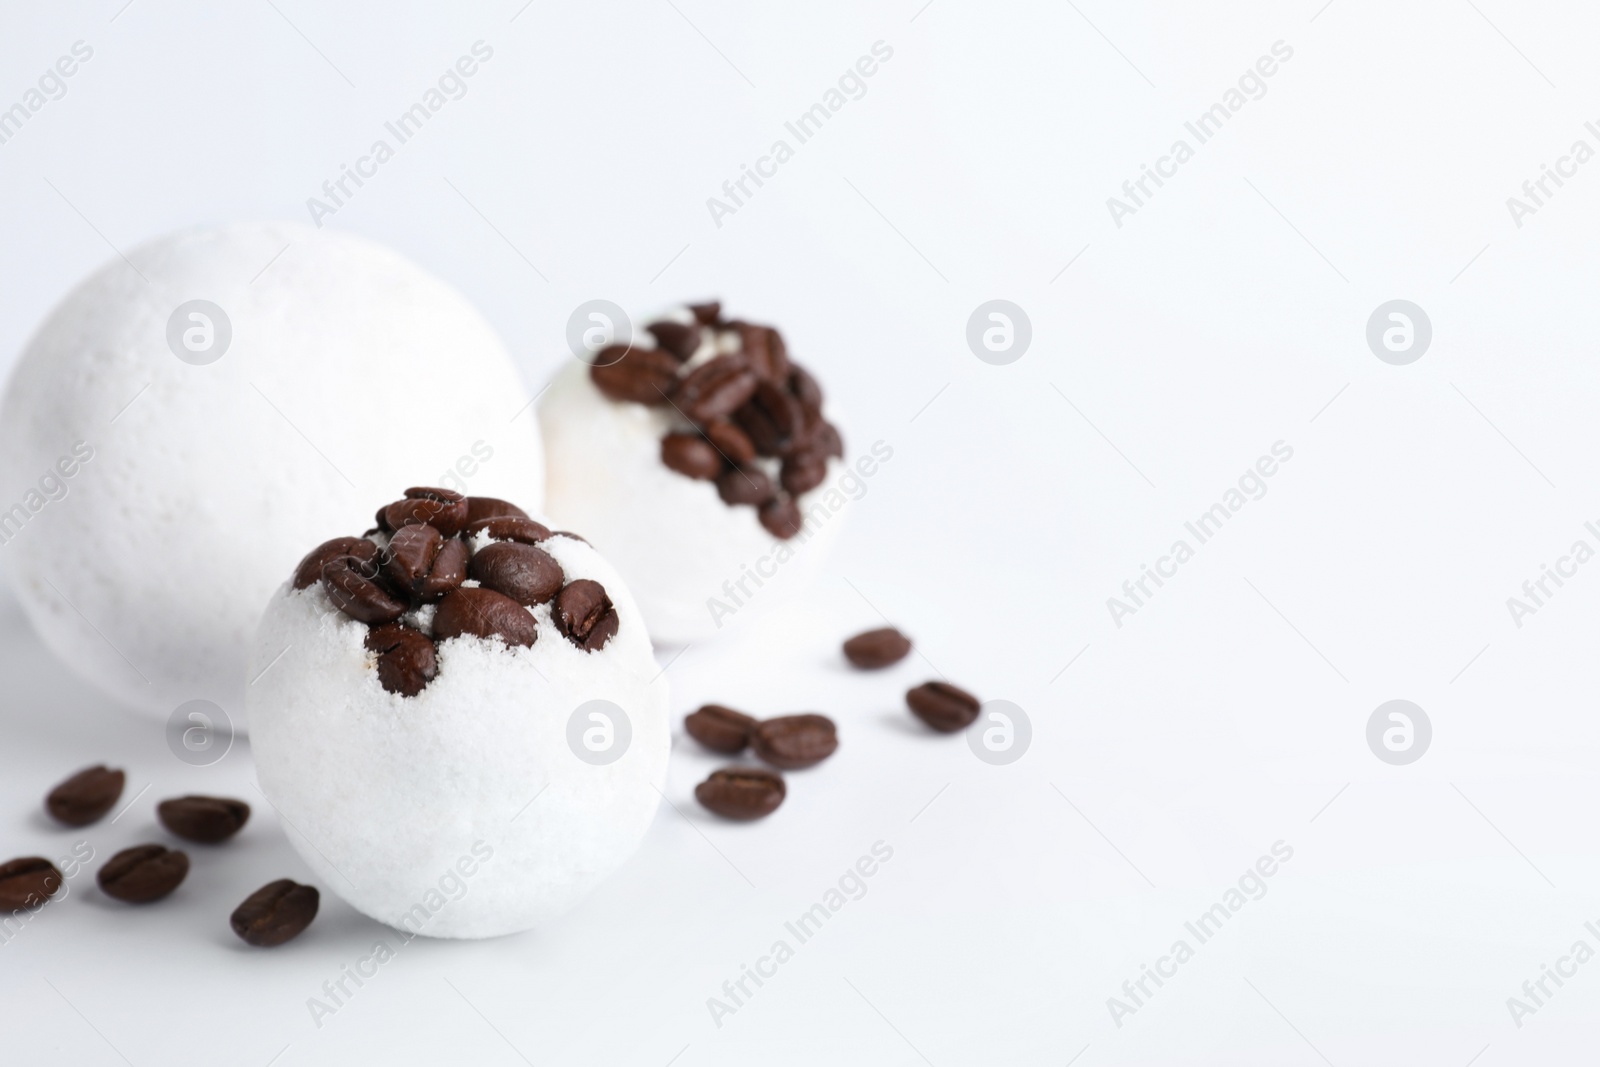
{"type": "Point", "coordinates": [187, 420]}
{"type": "Point", "coordinates": [697, 456]}
{"type": "Point", "coordinates": [459, 716]}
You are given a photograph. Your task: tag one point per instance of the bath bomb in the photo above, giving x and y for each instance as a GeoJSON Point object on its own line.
{"type": "Point", "coordinates": [459, 717]}
{"type": "Point", "coordinates": [701, 460]}
{"type": "Point", "coordinates": [188, 420]}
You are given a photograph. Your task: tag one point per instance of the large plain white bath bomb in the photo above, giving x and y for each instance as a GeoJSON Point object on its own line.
{"type": "Point", "coordinates": [187, 421]}
{"type": "Point", "coordinates": [441, 773]}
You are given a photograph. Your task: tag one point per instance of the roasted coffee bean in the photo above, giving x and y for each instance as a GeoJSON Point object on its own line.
{"type": "Point", "coordinates": [877, 648]}
{"type": "Point", "coordinates": [720, 729]}
{"type": "Point", "coordinates": [781, 517]}
{"type": "Point", "coordinates": [803, 473]}
{"type": "Point", "coordinates": [639, 375]}
{"type": "Point", "coordinates": [143, 873]}
{"type": "Point", "coordinates": [483, 613]}
{"type": "Point", "coordinates": [382, 520]}
{"type": "Point", "coordinates": [943, 706]}
{"type": "Point", "coordinates": [716, 388]}
{"type": "Point", "coordinates": [358, 595]}
{"type": "Point", "coordinates": [86, 796]}
{"type": "Point", "coordinates": [310, 569]}
{"type": "Point", "coordinates": [585, 616]}
{"type": "Point", "coordinates": [449, 570]}
{"type": "Point", "coordinates": [27, 883]}
{"type": "Point", "coordinates": [707, 314]}
{"type": "Point", "coordinates": [773, 419]}
{"type": "Point", "coordinates": [744, 485]}
{"type": "Point", "coordinates": [732, 442]}
{"type": "Point", "coordinates": [510, 528]}
{"type": "Point", "coordinates": [406, 658]}
{"type": "Point", "coordinates": [277, 912]}
{"type": "Point", "coordinates": [207, 820]}
{"type": "Point", "coordinates": [410, 556]}
{"type": "Point", "coordinates": [443, 509]}
{"type": "Point", "coordinates": [524, 573]}
{"type": "Point", "coordinates": [487, 507]}
{"type": "Point", "coordinates": [741, 792]}
{"type": "Point", "coordinates": [794, 741]}
{"type": "Point", "coordinates": [676, 338]}
{"type": "Point", "coordinates": [827, 441]}
{"type": "Point", "coordinates": [804, 387]}
{"type": "Point", "coordinates": [691, 454]}
{"type": "Point", "coordinates": [765, 349]}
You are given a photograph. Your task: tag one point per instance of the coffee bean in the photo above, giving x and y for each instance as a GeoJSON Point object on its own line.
{"type": "Point", "coordinates": [443, 509]}
{"type": "Point", "coordinates": [509, 528]}
{"type": "Point", "coordinates": [765, 349]}
{"type": "Point", "coordinates": [143, 873]}
{"type": "Point", "coordinates": [487, 507]}
{"type": "Point", "coordinates": [731, 441]}
{"type": "Point", "coordinates": [310, 569]}
{"type": "Point", "coordinates": [719, 729]}
{"type": "Point", "coordinates": [827, 441]}
{"type": "Point", "coordinates": [943, 706]}
{"type": "Point", "coordinates": [524, 573]}
{"type": "Point", "coordinates": [585, 616]}
{"type": "Point", "coordinates": [358, 595]}
{"type": "Point", "coordinates": [277, 912]}
{"type": "Point", "coordinates": [676, 338]}
{"type": "Point", "coordinates": [716, 388]}
{"type": "Point", "coordinates": [803, 473]}
{"type": "Point", "coordinates": [877, 648]}
{"type": "Point", "coordinates": [27, 883]}
{"type": "Point", "coordinates": [692, 455]}
{"type": "Point", "coordinates": [772, 419]}
{"type": "Point", "coordinates": [639, 375]}
{"type": "Point", "coordinates": [410, 556]}
{"type": "Point", "coordinates": [794, 741]}
{"type": "Point", "coordinates": [744, 485]}
{"type": "Point", "coordinates": [449, 570]}
{"type": "Point", "coordinates": [381, 520]}
{"type": "Point", "coordinates": [741, 792]}
{"type": "Point", "coordinates": [707, 314]}
{"type": "Point", "coordinates": [804, 387]}
{"type": "Point", "coordinates": [781, 517]}
{"type": "Point", "coordinates": [207, 820]}
{"type": "Point", "coordinates": [484, 613]}
{"type": "Point", "coordinates": [86, 796]}
{"type": "Point", "coordinates": [406, 658]}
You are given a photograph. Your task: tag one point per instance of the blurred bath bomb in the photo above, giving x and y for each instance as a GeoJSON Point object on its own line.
{"type": "Point", "coordinates": [187, 420]}
{"type": "Point", "coordinates": [468, 731]}
{"type": "Point", "coordinates": [701, 462]}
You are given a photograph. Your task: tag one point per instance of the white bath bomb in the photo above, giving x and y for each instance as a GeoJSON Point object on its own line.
{"type": "Point", "coordinates": [694, 562]}
{"type": "Point", "coordinates": [150, 500]}
{"type": "Point", "coordinates": [493, 799]}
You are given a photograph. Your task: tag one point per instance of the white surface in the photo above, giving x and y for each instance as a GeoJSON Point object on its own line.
{"type": "Point", "coordinates": [1193, 338]}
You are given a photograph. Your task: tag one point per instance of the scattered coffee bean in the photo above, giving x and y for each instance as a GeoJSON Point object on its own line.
{"type": "Point", "coordinates": [719, 729]}
{"type": "Point", "coordinates": [943, 706]}
{"type": "Point", "coordinates": [277, 912]}
{"type": "Point", "coordinates": [484, 613]}
{"type": "Point", "coordinates": [27, 883]}
{"type": "Point", "coordinates": [877, 648]}
{"type": "Point", "coordinates": [767, 353]}
{"type": "Point", "coordinates": [716, 388]}
{"type": "Point", "coordinates": [744, 485]}
{"type": "Point", "coordinates": [795, 741]}
{"type": "Point", "coordinates": [86, 796]}
{"type": "Point", "coordinates": [804, 472]}
{"type": "Point", "coordinates": [524, 573]}
{"type": "Point", "coordinates": [310, 569]}
{"type": "Point", "coordinates": [828, 442]}
{"type": "Point", "coordinates": [509, 528]}
{"type": "Point", "coordinates": [487, 507]}
{"type": "Point", "coordinates": [707, 314]}
{"type": "Point", "coordinates": [359, 595]}
{"type": "Point", "coordinates": [676, 338]}
{"type": "Point", "coordinates": [772, 419]}
{"type": "Point", "coordinates": [692, 455]}
{"type": "Point", "coordinates": [410, 556]}
{"type": "Point", "coordinates": [406, 658]}
{"type": "Point", "coordinates": [143, 873]}
{"type": "Point", "coordinates": [731, 441]}
{"type": "Point", "coordinates": [805, 387]}
{"type": "Point", "coordinates": [585, 616]}
{"type": "Point", "coordinates": [741, 792]}
{"type": "Point", "coordinates": [449, 570]}
{"type": "Point", "coordinates": [781, 517]}
{"type": "Point", "coordinates": [207, 820]}
{"type": "Point", "coordinates": [443, 509]}
{"type": "Point", "coordinates": [640, 375]}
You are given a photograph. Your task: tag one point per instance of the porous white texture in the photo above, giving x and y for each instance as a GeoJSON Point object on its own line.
{"type": "Point", "coordinates": [672, 537]}
{"type": "Point", "coordinates": [206, 483]}
{"type": "Point", "coordinates": [383, 795]}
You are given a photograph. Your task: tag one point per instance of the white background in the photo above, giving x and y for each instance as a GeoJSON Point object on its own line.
{"type": "Point", "coordinates": [1229, 713]}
